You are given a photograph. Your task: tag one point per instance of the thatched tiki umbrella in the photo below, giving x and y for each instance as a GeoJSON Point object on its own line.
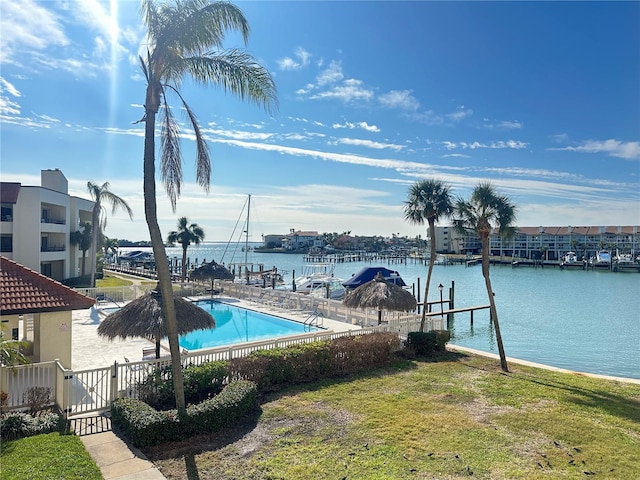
{"type": "Point", "coordinates": [380, 294]}
{"type": "Point", "coordinates": [142, 317]}
{"type": "Point", "coordinates": [212, 271]}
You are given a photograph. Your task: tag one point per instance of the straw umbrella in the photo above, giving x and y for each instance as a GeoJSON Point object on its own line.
{"type": "Point", "coordinates": [380, 294]}
{"type": "Point", "coordinates": [212, 271]}
{"type": "Point", "coordinates": [142, 317]}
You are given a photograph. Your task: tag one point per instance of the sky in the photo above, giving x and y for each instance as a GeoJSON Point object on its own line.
{"type": "Point", "coordinates": [542, 99]}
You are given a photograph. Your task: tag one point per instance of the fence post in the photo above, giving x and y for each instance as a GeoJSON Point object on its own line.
{"type": "Point", "coordinates": [114, 382]}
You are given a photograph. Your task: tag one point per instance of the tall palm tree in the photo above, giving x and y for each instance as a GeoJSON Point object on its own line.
{"type": "Point", "coordinates": [184, 40]}
{"type": "Point", "coordinates": [101, 194]}
{"type": "Point", "coordinates": [430, 201]}
{"type": "Point", "coordinates": [185, 235]}
{"type": "Point", "coordinates": [485, 210]}
{"type": "Point", "coordinates": [82, 239]}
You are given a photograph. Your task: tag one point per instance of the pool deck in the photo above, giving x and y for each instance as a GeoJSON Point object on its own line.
{"type": "Point", "coordinates": [89, 350]}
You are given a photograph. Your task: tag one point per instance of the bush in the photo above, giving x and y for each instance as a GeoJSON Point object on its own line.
{"type": "Point", "coordinates": [19, 424]}
{"type": "Point", "coordinates": [200, 382]}
{"type": "Point", "coordinates": [427, 343]}
{"type": "Point", "coordinates": [278, 368]}
{"type": "Point", "coordinates": [147, 426]}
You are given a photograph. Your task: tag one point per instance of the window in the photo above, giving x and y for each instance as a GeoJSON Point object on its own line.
{"type": "Point", "coordinates": [6, 243]}
{"type": "Point", "coordinates": [6, 212]}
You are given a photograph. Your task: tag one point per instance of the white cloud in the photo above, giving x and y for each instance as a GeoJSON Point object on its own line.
{"type": "Point", "coordinates": [27, 25]}
{"type": "Point", "coordinates": [332, 74]}
{"type": "Point", "coordinates": [515, 144]}
{"type": "Point", "coordinates": [459, 115]}
{"type": "Point", "coordinates": [613, 148]}
{"type": "Point", "coordinates": [399, 99]}
{"type": "Point", "coordinates": [351, 90]}
{"type": "Point", "coordinates": [370, 144]}
{"type": "Point", "coordinates": [509, 124]}
{"type": "Point", "coordinates": [362, 125]}
{"type": "Point", "coordinates": [288, 63]}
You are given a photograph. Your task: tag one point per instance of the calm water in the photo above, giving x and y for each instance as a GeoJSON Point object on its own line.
{"type": "Point", "coordinates": [583, 321]}
{"type": "Point", "coordinates": [236, 325]}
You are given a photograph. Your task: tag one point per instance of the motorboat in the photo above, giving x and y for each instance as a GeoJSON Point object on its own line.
{"type": "Point", "coordinates": [570, 258]}
{"type": "Point", "coordinates": [624, 259]}
{"type": "Point", "coordinates": [367, 274]}
{"type": "Point", "coordinates": [603, 258]}
{"type": "Point", "coordinates": [318, 279]}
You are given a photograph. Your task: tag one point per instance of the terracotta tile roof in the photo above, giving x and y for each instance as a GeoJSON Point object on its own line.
{"type": "Point", "coordinates": [24, 291]}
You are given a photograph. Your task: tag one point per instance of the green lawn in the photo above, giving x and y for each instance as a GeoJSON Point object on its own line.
{"type": "Point", "coordinates": [459, 417]}
{"type": "Point", "coordinates": [47, 457]}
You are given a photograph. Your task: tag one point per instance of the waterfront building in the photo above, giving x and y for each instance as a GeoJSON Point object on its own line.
{"type": "Point", "coordinates": [36, 223]}
{"type": "Point", "coordinates": [545, 242]}
{"type": "Point", "coordinates": [294, 240]}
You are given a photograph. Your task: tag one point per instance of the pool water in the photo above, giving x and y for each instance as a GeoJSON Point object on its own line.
{"type": "Point", "coordinates": [236, 325]}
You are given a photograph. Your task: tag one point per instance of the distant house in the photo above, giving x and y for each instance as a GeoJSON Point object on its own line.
{"type": "Point", "coordinates": [36, 223]}
{"type": "Point", "coordinates": [302, 240]}
{"type": "Point", "coordinates": [37, 309]}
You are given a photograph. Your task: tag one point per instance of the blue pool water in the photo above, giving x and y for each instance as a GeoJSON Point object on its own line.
{"type": "Point", "coordinates": [236, 325]}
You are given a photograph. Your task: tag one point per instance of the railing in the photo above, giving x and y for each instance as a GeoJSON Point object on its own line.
{"type": "Point", "coordinates": [55, 248]}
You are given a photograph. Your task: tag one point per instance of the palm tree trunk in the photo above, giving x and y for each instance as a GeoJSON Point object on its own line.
{"type": "Point", "coordinates": [160, 255]}
{"type": "Point", "coordinates": [94, 241]}
{"type": "Point", "coordinates": [492, 302]}
{"type": "Point", "coordinates": [184, 263]}
{"type": "Point", "coordinates": [432, 258]}
{"type": "Point", "coordinates": [84, 256]}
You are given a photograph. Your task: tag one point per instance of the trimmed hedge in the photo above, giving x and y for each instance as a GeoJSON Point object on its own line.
{"type": "Point", "coordinates": [15, 425]}
{"type": "Point", "coordinates": [278, 368]}
{"type": "Point", "coordinates": [147, 426]}
{"type": "Point", "coordinates": [427, 343]}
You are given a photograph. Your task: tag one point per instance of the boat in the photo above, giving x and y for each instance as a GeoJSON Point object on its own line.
{"type": "Point", "coordinates": [603, 258]}
{"type": "Point", "coordinates": [317, 279]}
{"type": "Point", "coordinates": [624, 259]}
{"type": "Point", "coordinates": [367, 274]}
{"type": "Point", "coordinates": [570, 258]}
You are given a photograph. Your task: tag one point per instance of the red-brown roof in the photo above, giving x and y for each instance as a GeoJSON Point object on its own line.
{"type": "Point", "coordinates": [9, 192]}
{"type": "Point", "coordinates": [24, 291]}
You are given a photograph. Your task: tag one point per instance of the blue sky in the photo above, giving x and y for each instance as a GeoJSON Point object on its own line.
{"type": "Point", "coordinates": [542, 99]}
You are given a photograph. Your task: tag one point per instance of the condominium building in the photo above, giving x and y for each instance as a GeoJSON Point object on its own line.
{"type": "Point", "coordinates": [547, 243]}
{"type": "Point", "coordinates": [36, 223]}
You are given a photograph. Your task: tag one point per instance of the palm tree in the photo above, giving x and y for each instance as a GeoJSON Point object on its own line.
{"type": "Point", "coordinates": [110, 245]}
{"type": "Point", "coordinates": [185, 235]}
{"type": "Point", "coordinates": [485, 210]}
{"type": "Point", "coordinates": [101, 194]}
{"type": "Point", "coordinates": [10, 351]}
{"type": "Point", "coordinates": [82, 239]}
{"type": "Point", "coordinates": [184, 40]}
{"type": "Point", "coordinates": [428, 200]}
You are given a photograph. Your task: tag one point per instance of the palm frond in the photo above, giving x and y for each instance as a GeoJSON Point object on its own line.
{"type": "Point", "coordinates": [171, 156]}
{"type": "Point", "coordinates": [236, 72]}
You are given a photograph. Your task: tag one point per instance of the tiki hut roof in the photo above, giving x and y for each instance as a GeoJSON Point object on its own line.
{"type": "Point", "coordinates": [213, 271]}
{"type": "Point", "coordinates": [142, 317]}
{"type": "Point", "coordinates": [380, 294]}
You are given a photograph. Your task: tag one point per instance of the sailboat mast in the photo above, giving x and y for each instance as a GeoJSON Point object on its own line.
{"type": "Point", "coordinates": [246, 238]}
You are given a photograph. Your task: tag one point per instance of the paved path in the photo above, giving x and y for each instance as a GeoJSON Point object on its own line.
{"type": "Point", "coordinates": [116, 458]}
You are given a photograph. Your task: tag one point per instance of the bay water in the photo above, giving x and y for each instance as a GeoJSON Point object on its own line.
{"type": "Point", "coordinates": [586, 321]}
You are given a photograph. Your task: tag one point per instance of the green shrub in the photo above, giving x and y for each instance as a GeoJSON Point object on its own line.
{"type": "Point", "coordinates": [19, 424]}
{"type": "Point", "coordinates": [200, 382]}
{"type": "Point", "coordinates": [427, 343]}
{"type": "Point", "coordinates": [147, 426]}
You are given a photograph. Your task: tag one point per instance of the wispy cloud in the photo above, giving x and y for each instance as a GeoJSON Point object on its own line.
{"type": "Point", "coordinates": [460, 114]}
{"type": "Point", "coordinates": [399, 99]}
{"type": "Point", "coordinates": [515, 144]}
{"type": "Point", "coordinates": [349, 91]}
{"type": "Point", "coordinates": [362, 125]}
{"type": "Point", "coordinates": [613, 148]}
{"type": "Point", "coordinates": [368, 143]}
{"type": "Point", "coordinates": [288, 63]}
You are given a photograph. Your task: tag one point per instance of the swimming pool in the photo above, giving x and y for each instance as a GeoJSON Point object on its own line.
{"type": "Point", "coordinates": [236, 325]}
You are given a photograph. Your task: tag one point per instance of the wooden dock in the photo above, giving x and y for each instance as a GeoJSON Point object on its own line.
{"type": "Point", "coordinates": [452, 311]}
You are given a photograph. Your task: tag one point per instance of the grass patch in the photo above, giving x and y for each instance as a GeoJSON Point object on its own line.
{"type": "Point", "coordinates": [46, 457]}
{"type": "Point", "coordinates": [459, 417]}
{"type": "Point", "coordinates": [111, 281]}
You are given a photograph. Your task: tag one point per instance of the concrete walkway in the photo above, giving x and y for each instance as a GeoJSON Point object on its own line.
{"type": "Point", "coordinates": [115, 457]}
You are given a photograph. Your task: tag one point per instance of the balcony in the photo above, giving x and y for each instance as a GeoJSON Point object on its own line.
{"type": "Point", "coordinates": [52, 220]}
{"type": "Point", "coordinates": [52, 248]}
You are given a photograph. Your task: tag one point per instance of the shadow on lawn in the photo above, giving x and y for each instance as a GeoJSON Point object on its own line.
{"type": "Point", "coordinates": [600, 399]}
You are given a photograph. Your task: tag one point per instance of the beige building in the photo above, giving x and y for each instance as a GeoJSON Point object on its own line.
{"type": "Point", "coordinates": [36, 223]}
{"type": "Point", "coordinates": [548, 243]}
